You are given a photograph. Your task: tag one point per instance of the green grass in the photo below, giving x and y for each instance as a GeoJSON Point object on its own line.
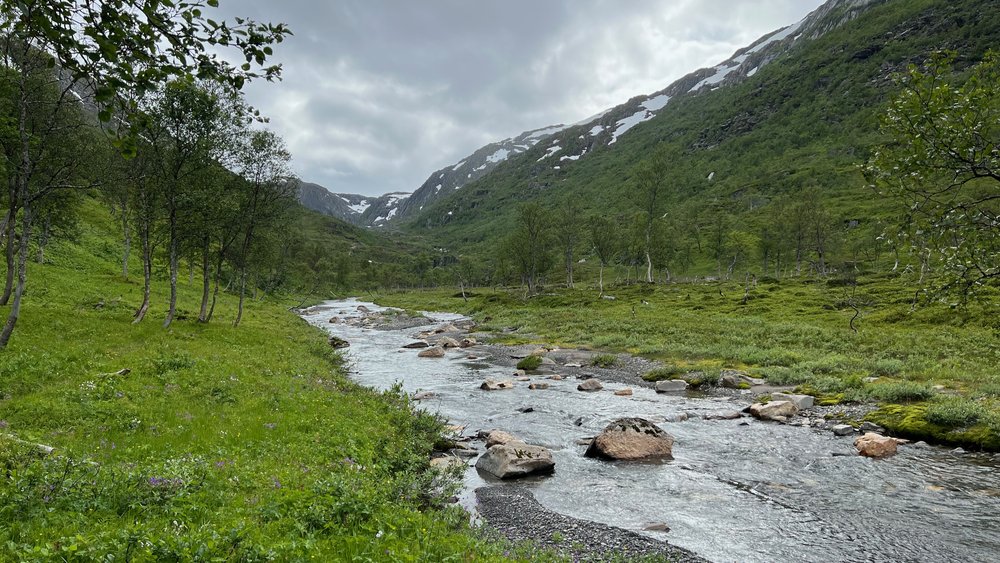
{"type": "Point", "coordinates": [530, 363]}
{"type": "Point", "coordinates": [220, 443]}
{"type": "Point", "coordinates": [792, 333]}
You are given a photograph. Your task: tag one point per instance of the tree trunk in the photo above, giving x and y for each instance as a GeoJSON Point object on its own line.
{"type": "Point", "coordinates": [147, 273]}
{"type": "Point", "coordinates": [215, 291]}
{"type": "Point", "coordinates": [22, 278]}
{"type": "Point", "coordinates": [243, 291]}
{"type": "Point", "coordinates": [206, 283]}
{"type": "Point", "coordinates": [601, 280]}
{"type": "Point", "coordinates": [127, 243]}
{"type": "Point", "coordinates": [44, 240]}
{"type": "Point", "coordinates": [174, 266]}
{"type": "Point", "coordinates": [9, 252]}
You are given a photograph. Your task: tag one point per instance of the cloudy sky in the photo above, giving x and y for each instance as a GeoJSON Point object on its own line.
{"type": "Point", "coordinates": [377, 94]}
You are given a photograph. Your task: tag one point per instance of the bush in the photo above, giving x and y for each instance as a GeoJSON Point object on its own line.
{"type": "Point", "coordinates": [900, 392]}
{"type": "Point", "coordinates": [664, 373]}
{"type": "Point", "coordinates": [886, 367]}
{"type": "Point", "coordinates": [530, 363]}
{"type": "Point", "coordinates": [778, 375]}
{"type": "Point", "coordinates": [604, 360]}
{"type": "Point", "coordinates": [954, 412]}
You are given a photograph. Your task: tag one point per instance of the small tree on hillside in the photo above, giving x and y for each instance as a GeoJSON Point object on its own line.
{"type": "Point", "coordinates": [942, 162]}
{"type": "Point", "coordinates": [604, 239]}
{"type": "Point", "coordinates": [529, 246]}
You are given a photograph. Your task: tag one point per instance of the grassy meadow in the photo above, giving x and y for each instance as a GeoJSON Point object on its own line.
{"type": "Point", "coordinates": [219, 444]}
{"type": "Point", "coordinates": [932, 368]}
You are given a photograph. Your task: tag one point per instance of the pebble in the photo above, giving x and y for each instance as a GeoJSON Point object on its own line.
{"type": "Point", "coordinates": [843, 430]}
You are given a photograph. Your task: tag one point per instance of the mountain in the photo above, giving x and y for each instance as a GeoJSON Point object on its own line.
{"type": "Point", "coordinates": [796, 110]}
{"type": "Point", "coordinates": [363, 211]}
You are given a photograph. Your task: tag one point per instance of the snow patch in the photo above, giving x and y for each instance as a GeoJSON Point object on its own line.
{"type": "Point", "coordinates": [753, 71]}
{"type": "Point", "coordinates": [630, 122]}
{"type": "Point", "coordinates": [498, 156]}
{"type": "Point", "coordinates": [596, 130]}
{"type": "Point", "coordinates": [359, 208]}
{"type": "Point", "coordinates": [550, 152]}
{"type": "Point", "coordinates": [656, 103]}
{"type": "Point", "coordinates": [459, 165]}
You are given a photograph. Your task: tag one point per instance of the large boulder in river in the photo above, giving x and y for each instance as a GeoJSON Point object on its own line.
{"type": "Point", "coordinates": [876, 445]}
{"type": "Point", "coordinates": [590, 385]}
{"type": "Point", "coordinates": [773, 410]}
{"type": "Point", "coordinates": [338, 343]}
{"type": "Point", "coordinates": [516, 459]}
{"type": "Point", "coordinates": [632, 439]}
{"type": "Point", "coordinates": [435, 352]}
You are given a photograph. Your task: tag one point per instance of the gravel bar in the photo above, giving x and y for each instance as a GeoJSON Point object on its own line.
{"type": "Point", "coordinates": [513, 512]}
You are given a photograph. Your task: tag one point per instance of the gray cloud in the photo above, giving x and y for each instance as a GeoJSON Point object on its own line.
{"type": "Point", "coordinates": [377, 94]}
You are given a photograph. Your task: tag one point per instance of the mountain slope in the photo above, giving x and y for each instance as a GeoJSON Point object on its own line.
{"type": "Point", "coordinates": [796, 110]}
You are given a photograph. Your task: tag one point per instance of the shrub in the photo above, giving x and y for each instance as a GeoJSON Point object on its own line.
{"type": "Point", "coordinates": [604, 360]}
{"type": "Point", "coordinates": [530, 363]}
{"type": "Point", "coordinates": [778, 375]}
{"type": "Point", "coordinates": [884, 367]}
{"type": "Point", "coordinates": [900, 392]}
{"type": "Point", "coordinates": [664, 373]}
{"type": "Point", "coordinates": [954, 412]}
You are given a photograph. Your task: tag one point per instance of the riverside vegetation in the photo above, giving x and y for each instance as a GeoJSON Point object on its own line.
{"type": "Point", "coordinates": [931, 369]}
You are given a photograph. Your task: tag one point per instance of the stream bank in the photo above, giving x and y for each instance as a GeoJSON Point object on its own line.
{"type": "Point", "coordinates": [737, 489]}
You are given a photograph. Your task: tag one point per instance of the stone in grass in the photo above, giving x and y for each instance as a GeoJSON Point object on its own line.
{"type": "Point", "coordinates": [843, 430]}
{"type": "Point", "coordinates": [435, 352]}
{"type": "Point", "coordinates": [516, 459]}
{"type": "Point", "coordinates": [632, 439]}
{"type": "Point", "coordinates": [801, 401]}
{"type": "Point", "coordinates": [671, 386]}
{"type": "Point", "coordinates": [773, 410]}
{"type": "Point", "coordinates": [590, 385]}
{"type": "Point", "coordinates": [491, 385]}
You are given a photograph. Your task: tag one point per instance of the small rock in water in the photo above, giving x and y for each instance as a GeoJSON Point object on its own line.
{"type": "Point", "coordinates": [727, 415]}
{"type": "Point", "coordinates": [363, 309]}
{"type": "Point", "coordinates": [526, 410]}
{"type": "Point", "coordinates": [538, 386]}
{"type": "Point", "coordinates": [843, 430]}
{"type": "Point", "coordinates": [875, 445]}
{"type": "Point", "coordinates": [656, 527]}
{"type": "Point", "coordinates": [468, 342]}
{"type": "Point", "coordinates": [774, 410]}
{"type": "Point", "coordinates": [338, 343]}
{"type": "Point", "coordinates": [435, 352]}
{"type": "Point", "coordinates": [672, 386]}
{"type": "Point", "coordinates": [522, 378]}
{"type": "Point", "coordinates": [334, 320]}
{"type": "Point", "coordinates": [676, 417]}
{"type": "Point", "coordinates": [555, 377]}
{"type": "Point", "coordinates": [573, 365]}
{"type": "Point", "coordinates": [578, 422]}
{"type": "Point", "coordinates": [447, 342]}
{"type": "Point", "coordinates": [590, 385]}
{"type": "Point", "coordinates": [800, 401]}
{"type": "Point", "coordinates": [957, 451]}
{"type": "Point", "coordinates": [520, 373]}
{"type": "Point", "coordinates": [423, 395]}
{"type": "Point", "coordinates": [627, 392]}
{"type": "Point", "coordinates": [417, 345]}
{"type": "Point", "coordinates": [491, 385]}
{"type": "Point", "coordinates": [867, 427]}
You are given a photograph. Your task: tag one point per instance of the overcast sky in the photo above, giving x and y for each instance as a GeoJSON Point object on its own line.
{"type": "Point", "coordinates": [377, 94]}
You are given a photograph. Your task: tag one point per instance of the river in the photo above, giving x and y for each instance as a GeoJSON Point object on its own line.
{"type": "Point", "coordinates": [737, 490]}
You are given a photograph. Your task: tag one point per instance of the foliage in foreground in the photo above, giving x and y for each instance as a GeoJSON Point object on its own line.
{"type": "Point", "coordinates": [220, 443]}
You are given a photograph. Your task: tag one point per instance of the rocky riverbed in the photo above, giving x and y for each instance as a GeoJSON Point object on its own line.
{"type": "Point", "coordinates": [738, 488]}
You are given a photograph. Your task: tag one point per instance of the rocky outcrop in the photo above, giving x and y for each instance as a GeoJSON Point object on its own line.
{"type": "Point", "coordinates": [516, 459]}
{"type": "Point", "coordinates": [632, 439]}
{"type": "Point", "coordinates": [876, 445]}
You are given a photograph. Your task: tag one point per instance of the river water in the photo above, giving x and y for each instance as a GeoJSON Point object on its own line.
{"type": "Point", "coordinates": [737, 490]}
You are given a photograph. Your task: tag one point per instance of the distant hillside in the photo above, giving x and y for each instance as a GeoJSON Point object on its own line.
{"type": "Point", "coordinates": [796, 110]}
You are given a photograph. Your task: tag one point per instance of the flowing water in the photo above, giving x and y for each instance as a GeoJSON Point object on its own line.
{"type": "Point", "coordinates": [737, 490]}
